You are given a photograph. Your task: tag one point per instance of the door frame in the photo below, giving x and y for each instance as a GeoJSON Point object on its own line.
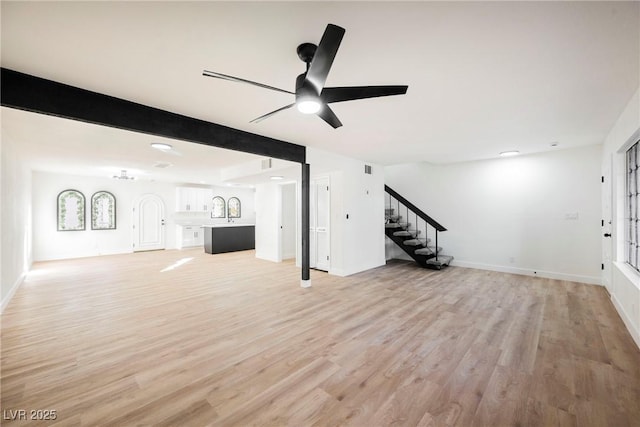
{"type": "Point", "coordinates": [607, 228]}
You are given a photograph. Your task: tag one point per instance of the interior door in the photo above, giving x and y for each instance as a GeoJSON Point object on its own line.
{"type": "Point", "coordinates": [607, 240]}
{"type": "Point", "coordinates": [319, 224]}
{"type": "Point", "coordinates": [148, 223]}
{"type": "Point", "coordinates": [288, 219]}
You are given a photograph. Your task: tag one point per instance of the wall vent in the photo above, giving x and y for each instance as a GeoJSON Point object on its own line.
{"type": "Point", "coordinates": [367, 169]}
{"type": "Point", "coordinates": [266, 164]}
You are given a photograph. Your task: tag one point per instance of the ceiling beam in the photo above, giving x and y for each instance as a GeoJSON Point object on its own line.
{"type": "Point", "coordinates": [31, 93]}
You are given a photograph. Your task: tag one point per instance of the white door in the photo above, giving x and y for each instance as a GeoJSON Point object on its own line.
{"type": "Point", "coordinates": [607, 240]}
{"type": "Point", "coordinates": [148, 223]}
{"type": "Point", "coordinates": [288, 221]}
{"type": "Point", "coordinates": [319, 224]}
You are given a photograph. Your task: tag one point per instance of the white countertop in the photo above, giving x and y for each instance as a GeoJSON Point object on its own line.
{"type": "Point", "coordinates": [227, 225]}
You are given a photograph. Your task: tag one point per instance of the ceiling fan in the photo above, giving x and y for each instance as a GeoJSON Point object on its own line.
{"type": "Point", "coordinates": [311, 95]}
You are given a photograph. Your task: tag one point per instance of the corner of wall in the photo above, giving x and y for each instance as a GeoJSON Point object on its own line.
{"type": "Point", "coordinates": [7, 298]}
{"type": "Point", "coordinates": [16, 221]}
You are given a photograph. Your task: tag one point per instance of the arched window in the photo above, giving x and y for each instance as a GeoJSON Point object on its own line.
{"type": "Point", "coordinates": [217, 207]}
{"type": "Point", "coordinates": [234, 208]}
{"type": "Point", "coordinates": [71, 211]}
{"type": "Point", "coordinates": [103, 211]}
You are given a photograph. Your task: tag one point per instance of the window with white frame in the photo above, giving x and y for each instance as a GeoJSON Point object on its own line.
{"type": "Point", "coordinates": [632, 226]}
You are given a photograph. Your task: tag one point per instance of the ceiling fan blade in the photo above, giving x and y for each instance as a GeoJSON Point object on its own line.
{"type": "Point", "coordinates": [259, 119]}
{"type": "Point", "coordinates": [239, 80]}
{"type": "Point", "coordinates": [339, 94]}
{"type": "Point", "coordinates": [324, 56]}
{"type": "Point", "coordinates": [329, 116]}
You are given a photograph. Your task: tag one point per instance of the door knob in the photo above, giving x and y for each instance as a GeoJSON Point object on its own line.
{"type": "Point", "coordinates": [607, 234]}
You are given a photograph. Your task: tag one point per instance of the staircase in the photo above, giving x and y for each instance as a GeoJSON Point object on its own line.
{"type": "Point", "coordinates": [410, 228]}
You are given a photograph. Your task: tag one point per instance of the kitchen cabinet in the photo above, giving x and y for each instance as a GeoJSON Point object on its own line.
{"type": "Point", "coordinates": [193, 199]}
{"type": "Point", "coordinates": [189, 236]}
{"type": "Point", "coordinates": [229, 238]}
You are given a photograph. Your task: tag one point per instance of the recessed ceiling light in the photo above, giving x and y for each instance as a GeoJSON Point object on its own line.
{"type": "Point", "coordinates": [277, 178]}
{"type": "Point", "coordinates": [161, 146]}
{"type": "Point", "coordinates": [509, 153]}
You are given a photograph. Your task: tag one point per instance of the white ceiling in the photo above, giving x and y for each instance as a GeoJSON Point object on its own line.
{"type": "Point", "coordinates": [484, 77]}
{"type": "Point", "coordinates": [67, 146]}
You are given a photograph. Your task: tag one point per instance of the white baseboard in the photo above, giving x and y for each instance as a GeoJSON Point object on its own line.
{"type": "Point", "coordinates": [343, 272]}
{"type": "Point", "coordinates": [591, 280]}
{"type": "Point", "coordinates": [50, 257]}
{"type": "Point", "coordinates": [635, 334]}
{"type": "Point", "coordinates": [12, 291]}
{"type": "Point", "coordinates": [267, 258]}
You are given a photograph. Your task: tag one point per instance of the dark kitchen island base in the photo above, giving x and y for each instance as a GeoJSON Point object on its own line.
{"type": "Point", "coordinates": [232, 238]}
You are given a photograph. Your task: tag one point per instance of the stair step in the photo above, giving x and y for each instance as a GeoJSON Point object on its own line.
{"type": "Point", "coordinates": [413, 242]}
{"type": "Point", "coordinates": [442, 261]}
{"type": "Point", "coordinates": [393, 218]}
{"type": "Point", "coordinates": [424, 251]}
{"type": "Point", "coordinates": [403, 233]}
{"type": "Point", "coordinates": [392, 225]}
{"type": "Point", "coordinates": [405, 224]}
{"type": "Point", "coordinates": [429, 250]}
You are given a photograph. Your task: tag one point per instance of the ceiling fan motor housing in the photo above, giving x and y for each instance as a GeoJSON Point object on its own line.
{"type": "Point", "coordinates": [306, 52]}
{"type": "Point", "coordinates": [304, 89]}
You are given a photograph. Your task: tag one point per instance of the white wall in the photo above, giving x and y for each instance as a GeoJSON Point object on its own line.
{"type": "Point", "coordinates": [625, 282]}
{"type": "Point", "coordinates": [510, 214]}
{"type": "Point", "coordinates": [357, 242]}
{"type": "Point", "coordinates": [15, 222]}
{"type": "Point", "coordinates": [49, 244]}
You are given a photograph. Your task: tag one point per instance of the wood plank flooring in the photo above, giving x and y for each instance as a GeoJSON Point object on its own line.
{"type": "Point", "coordinates": [182, 338]}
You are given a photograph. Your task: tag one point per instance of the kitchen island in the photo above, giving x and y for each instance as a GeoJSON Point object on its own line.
{"type": "Point", "coordinates": [220, 238]}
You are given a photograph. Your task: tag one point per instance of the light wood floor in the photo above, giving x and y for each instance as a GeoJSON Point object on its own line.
{"type": "Point", "coordinates": [230, 340]}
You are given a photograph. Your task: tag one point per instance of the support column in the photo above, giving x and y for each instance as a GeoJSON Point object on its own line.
{"type": "Point", "coordinates": [306, 279]}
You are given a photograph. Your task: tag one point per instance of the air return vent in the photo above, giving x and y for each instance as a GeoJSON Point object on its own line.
{"type": "Point", "coordinates": [162, 165]}
{"type": "Point", "coordinates": [367, 169]}
{"type": "Point", "coordinates": [266, 164]}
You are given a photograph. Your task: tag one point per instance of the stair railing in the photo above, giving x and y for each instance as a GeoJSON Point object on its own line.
{"type": "Point", "coordinates": [418, 213]}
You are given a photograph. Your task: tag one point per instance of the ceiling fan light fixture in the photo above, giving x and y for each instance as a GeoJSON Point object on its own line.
{"type": "Point", "coordinates": [308, 105]}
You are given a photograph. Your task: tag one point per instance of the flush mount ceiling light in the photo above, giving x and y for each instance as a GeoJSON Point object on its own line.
{"type": "Point", "coordinates": [509, 153]}
{"type": "Point", "coordinates": [161, 146]}
{"type": "Point", "coordinates": [277, 178]}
